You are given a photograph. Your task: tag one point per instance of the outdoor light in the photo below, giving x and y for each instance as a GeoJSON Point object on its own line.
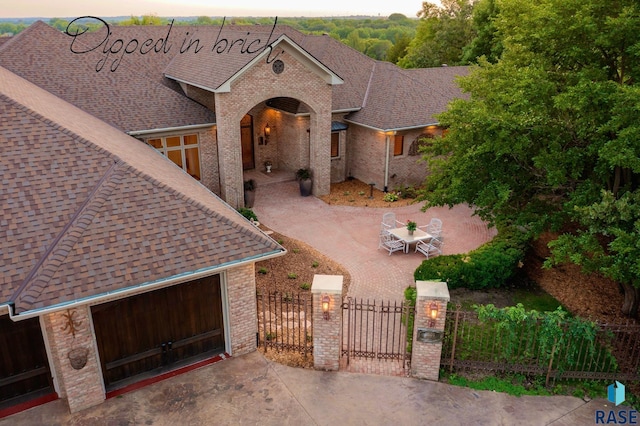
{"type": "Point", "coordinates": [325, 306]}
{"type": "Point", "coordinates": [267, 133]}
{"type": "Point", "coordinates": [432, 313]}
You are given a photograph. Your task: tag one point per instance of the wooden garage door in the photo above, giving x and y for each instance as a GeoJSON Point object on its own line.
{"type": "Point", "coordinates": [24, 368]}
{"type": "Point", "coordinates": [156, 330]}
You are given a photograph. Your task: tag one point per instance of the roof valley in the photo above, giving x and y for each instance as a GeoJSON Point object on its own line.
{"type": "Point", "coordinates": [67, 238]}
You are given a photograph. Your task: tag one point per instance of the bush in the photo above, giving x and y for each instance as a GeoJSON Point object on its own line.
{"type": "Point", "coordinates": [490, 265]}
{"type": "Point", "coordinates": [390, 197]}
{"type": "Point", "coordinates": [248, 213]}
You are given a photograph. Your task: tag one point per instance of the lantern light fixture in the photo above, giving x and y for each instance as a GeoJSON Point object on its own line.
{"type": "Point", "coordinates": [325, 306]}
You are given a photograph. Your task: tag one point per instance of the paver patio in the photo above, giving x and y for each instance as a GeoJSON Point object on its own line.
{"type": "Point", "coordinates": [349, 235]}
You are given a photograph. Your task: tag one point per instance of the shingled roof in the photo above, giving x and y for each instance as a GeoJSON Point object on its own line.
{"type": "Point", "coordinates": [144, 94]}
{"type": "Point", "coordinates": [86, 210]}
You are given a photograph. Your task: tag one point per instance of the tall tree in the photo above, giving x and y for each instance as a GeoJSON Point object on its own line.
{"type": "Point", "coordinates": [549, 135]}
{"type": "Point", "coordinates": [442, 34]}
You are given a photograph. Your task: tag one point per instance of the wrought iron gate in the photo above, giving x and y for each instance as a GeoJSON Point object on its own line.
{"type": "Point", "coordinates": [376, 331]}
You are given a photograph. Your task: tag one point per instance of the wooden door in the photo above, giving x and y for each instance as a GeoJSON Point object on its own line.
{"type": "Point", "coordinates": [155, 330]}
{"type": "Point", "coordinates": [246, 138]}
{"type": "Point", "coordinates": [24, 368]}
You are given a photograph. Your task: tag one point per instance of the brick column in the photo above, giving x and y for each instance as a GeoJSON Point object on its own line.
{"type": "Point", "coordinates": [427, 331]}
{"type": "Point", "coordinates": [243, 316]}
{"type": "Point", "coordinates": [70, 333]}
{"type": "Point", "coordinates": [327, 327]}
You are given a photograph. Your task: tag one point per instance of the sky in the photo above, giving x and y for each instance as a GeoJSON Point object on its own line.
{"type": "Point", "coordinates": [174, 8]}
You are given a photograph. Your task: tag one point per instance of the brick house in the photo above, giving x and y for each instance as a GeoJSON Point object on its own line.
{"type": "Point", "coordinates": [112, 254]}
{"type": "Point", "coordinates": [113, 261]}
{"type": "Point", "coordinates": [218, 101]}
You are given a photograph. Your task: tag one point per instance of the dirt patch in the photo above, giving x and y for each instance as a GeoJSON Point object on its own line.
{"type": "Point", "coordinates": [589, 296]}
{"type": "Point", "coordinates": [357, 193]}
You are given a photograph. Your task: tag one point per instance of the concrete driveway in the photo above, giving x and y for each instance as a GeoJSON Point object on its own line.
{"type": "Point", "coordinates": [250, 390]}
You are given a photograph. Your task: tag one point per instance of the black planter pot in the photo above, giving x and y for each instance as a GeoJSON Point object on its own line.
{"type": "Point", "coordinates": [249, 198]}
{"type": "Point", "coordinates": [305, 187]}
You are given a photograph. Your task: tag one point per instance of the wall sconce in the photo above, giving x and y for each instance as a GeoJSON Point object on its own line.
{"type": "Point", "coordinates": [325, 306]}
{"type": "Point", "coordinates": [267, 133]}
{"type": "Point", "coordinates": [432, 313]}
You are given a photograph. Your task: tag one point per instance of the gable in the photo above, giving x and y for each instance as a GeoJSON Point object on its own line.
{"type": "Point", "coordinates": [90, 210]}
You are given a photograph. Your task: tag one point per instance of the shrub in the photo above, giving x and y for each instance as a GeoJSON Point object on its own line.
{"type": "Point", "coordinates": [305, 286]}
{"type": "Point", "coordinates": [315, 264]}
{"type": "Point", "coordinates": [390, 197]}
{"type": "Point", "coordinates": [292, 275]}
{"type": "Point", "coordinates": [490, 265]}
{"type": "Point", "coordinates": [263, 271]}
{"type": "Point", "coordinates": [248, 213]}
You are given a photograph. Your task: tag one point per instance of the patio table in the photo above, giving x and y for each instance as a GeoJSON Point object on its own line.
{"type": "Point", "coordinates": [403, 234]}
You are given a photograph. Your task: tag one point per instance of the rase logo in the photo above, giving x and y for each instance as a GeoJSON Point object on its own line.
{"type": "Point", "coordinates": [615, 394]}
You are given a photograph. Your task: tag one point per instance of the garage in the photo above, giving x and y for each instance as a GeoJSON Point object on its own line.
{"type": "Point", "coordinates": [154, 332]}
{"type": "Point", "coordinates": [24, 368]}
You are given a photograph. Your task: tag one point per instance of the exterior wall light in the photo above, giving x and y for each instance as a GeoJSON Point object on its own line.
{"type": "Point", "coordinates": [267, 133]}
{"type": "Point", "coordinates": [432, 313]}
{"type": "Point", "coordinates": [325, 306]}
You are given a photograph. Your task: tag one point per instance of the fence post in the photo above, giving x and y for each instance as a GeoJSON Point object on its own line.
{"type": "Point", "coordinates": [327, 325]}
{"type": "Point", "coordinates": [428, 330]}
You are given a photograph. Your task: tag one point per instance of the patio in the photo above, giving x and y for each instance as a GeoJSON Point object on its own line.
{"type": "Point", "coordinates": [349, 235]}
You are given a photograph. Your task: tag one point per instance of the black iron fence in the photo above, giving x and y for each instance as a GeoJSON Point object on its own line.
{"type": "Point", "coordinates": [471, 344]}
{"type": "Point", "coordinates": [285, 321]}
{"type": "Point", "coordinates": [376, 330]}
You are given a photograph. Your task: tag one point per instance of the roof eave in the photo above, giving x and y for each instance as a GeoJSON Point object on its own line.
{"type": "Point", "coordinates": [140, 288]}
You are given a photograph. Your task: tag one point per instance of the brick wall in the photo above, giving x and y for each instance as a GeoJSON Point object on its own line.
{"type": "Point", "coordinates": [255, 86]}
{"type": "Point", "coordinates": [327, 330]}
{"type": "Point", "coordinates": [241, 292]}
{"type": "Point", "coordinates": [82, 388]}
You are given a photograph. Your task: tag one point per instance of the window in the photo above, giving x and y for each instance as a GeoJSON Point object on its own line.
{"type": "Point", "coordinates": [183, 150]}
{"type": "Point", "coordinates": [398, 145]}
{"type": "Point", "coordinates": [335, 144]}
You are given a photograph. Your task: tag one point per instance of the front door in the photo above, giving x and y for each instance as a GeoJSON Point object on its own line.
{"type": "Point", "coordinates": [159, 329]}
{"type": "Point", "coordinates": [246, 138]}
{"type": "Point", "coordinates": [24, 368]}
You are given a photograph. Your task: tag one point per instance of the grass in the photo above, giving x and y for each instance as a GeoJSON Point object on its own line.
{"type": "Point", "coordinates": [539, 300]}
{"type": "Point", "coordinates": [519, 384]}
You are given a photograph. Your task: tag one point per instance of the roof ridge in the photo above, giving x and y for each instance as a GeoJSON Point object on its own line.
{"type": "Point", "coordinates": [61, 245]}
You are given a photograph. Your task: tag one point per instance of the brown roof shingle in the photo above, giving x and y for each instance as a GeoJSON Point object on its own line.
{"type": "Point", "coordinates": [87, 210]}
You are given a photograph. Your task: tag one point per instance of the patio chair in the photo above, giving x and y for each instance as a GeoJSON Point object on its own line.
{"type": "Point", "coordinates": [434, 227]}
{"type": "Point", "coordinates": [389, 243]}
{"type": "Point", "coordinates": [431, 248]}
{"type": "Point", "coordinates": [389, 222]}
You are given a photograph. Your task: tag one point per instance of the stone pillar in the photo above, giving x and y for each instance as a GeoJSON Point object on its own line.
{"type": "Point", "coordinates": [327, 326]}
{"type": "Point", "coordinates": [78, 372]}
{"type": "Point", "coordinates": [428, 331]}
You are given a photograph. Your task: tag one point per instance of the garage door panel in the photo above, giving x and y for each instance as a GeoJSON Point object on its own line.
{"type": "Point", "coordinates": [156, 329]}
{"type": "Point", "coordinates": [24, 367]}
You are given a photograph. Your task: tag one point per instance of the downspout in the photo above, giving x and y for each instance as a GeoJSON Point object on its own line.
{"type": "Point", "coordinates": [386, 160]}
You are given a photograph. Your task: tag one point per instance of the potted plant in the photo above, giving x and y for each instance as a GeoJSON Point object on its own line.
{"type": "Point", "coordinates": [304, 179]}
{"type": "Point", "coordinates": [249, 192]}
{"type": "Point", "coordinates": [411, 226]}
{"type": "Point", "coordinates": [267, 165]}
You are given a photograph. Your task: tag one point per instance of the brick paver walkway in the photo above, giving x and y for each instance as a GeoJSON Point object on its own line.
{"type": "Point", "coordinates": [349, 235]}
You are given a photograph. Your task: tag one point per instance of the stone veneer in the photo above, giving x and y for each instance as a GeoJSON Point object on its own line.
{"type": "Point", "coordinates": [82, 388]}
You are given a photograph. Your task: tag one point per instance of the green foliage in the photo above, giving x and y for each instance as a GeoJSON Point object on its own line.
{"type": "Point", "coordinates": [490, 265]}
{"type": "Point", "coordinates": [315, 264]}
{"type": "Point", "coordinates": [555, 330]}
{"type": "Point", "coordinates": [292, 275]}
{"type": "Point", "coordinates": [441, 36]}
{"type": "Point", "coordinates": [509, 384]}
{"type": "Point", "coordinates": [248, 213]}
{"type": "Point", "coordinates": [263, 271]}
{"type": "Point", "coordinates": [390, 197]}
{"type": "Point", "coordinates": [305, 286]}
